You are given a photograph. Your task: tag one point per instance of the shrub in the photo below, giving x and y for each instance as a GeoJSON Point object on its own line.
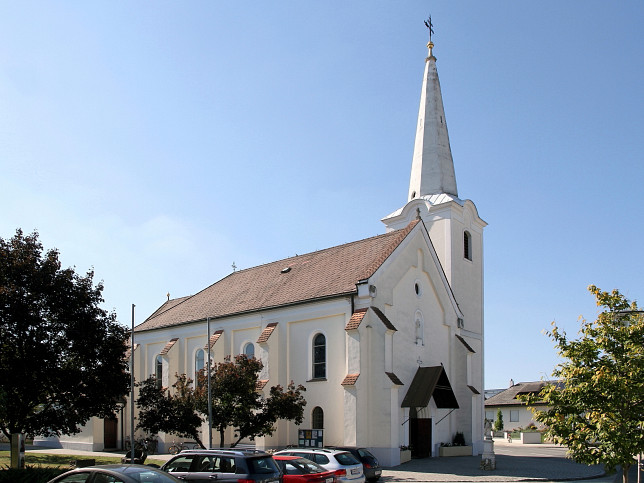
{"type": "Point", "coordinates": [459, 439]}
{"type": "Point", "coordinates": [498, 424]}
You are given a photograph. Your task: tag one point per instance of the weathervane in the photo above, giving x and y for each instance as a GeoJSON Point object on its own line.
{"type": "Point", "coordinates": [429, 25]}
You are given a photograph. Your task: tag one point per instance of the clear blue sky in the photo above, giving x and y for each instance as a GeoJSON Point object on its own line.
{"type": "Point", "coordinates": [158, 142]}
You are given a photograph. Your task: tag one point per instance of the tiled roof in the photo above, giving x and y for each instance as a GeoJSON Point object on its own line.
{"type": "Point", "coordinates": [394, 378]}
{"type": "Point", "coordinates": [261, 384]}
{"type": "Point", "coordinates": [266, 333]}
{"type": "Point", "coordinates": [464, 342]}
{"type": "Point", "coordinates": [323, 274]}
{"type": "Point", "coordinates": [358, 315]}
{"type": "Point", "coordinates": [169, 345]}
{"type": "Point", "coordinates": [356, 318]}
{"type": "Point", "coordinates": [384, 318]}
{"type": "Point", "coordinates": [350, 380]}
{"type": "Point", "coordinates": [213, 339]}
{"type": "Point", "coordinates": [509, 396]}
{"type": "Point", "coordinates": [169, 304]}
{"type": "Point", "coordinates": [128, 351]}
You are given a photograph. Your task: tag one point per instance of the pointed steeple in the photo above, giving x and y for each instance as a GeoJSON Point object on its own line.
{"type": "Point", "coordinates": [432, 169]}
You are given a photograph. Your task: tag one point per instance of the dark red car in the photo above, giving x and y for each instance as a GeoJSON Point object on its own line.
{"type": "Point", "coordinates": [301, 470]}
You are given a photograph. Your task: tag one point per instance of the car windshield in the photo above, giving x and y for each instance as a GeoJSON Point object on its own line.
{"type": "Point", "coordinates": [346, 459]}
{"type": "Point", "coordinates": [147, 475]}
{"type": "Point", "coordinates": [263, 465]}
{"type": "Point", "coordinates": [302, 466]}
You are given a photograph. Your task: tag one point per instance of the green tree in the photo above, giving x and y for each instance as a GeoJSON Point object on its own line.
{"type": "Point", "coordinates": [61, 357]}
{"type": "Point", "coordinates": [498, 423]}
{"type": "Point", "coordinates": [173, 412]}
{"type": "Point", "coordinates": [236, 403]}
{"type": "Point", "coordinates": [597, 409]}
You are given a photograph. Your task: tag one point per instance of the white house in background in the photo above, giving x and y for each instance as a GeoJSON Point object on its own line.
{"type": "Point", "coordinates": [515, 412]}
{"type": "Point", "coordinates": [385, 333]}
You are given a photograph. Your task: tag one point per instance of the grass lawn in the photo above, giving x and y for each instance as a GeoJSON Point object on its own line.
{"type": "Point", "coordinates": [62, 460]}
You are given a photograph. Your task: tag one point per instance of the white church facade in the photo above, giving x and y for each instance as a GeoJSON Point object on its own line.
{"type": "Point", "coordinates": [385, 333]}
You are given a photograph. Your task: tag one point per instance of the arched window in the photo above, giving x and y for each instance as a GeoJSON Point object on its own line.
{"type": "Point", "coordinates": [319, 357]}
{"type": "Point", "coordinates": [249, 350]}
{"type": "Point", "coordinates": [317, 418]}
{"type": "Point", "coordinates": [158, 371]}
{"type": "Point", "coordinates": [467, 245]}
{"type": "Point", "coordinates": [200, 364]}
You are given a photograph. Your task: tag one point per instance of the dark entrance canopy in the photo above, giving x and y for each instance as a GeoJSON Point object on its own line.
{"type": "Point", "coordinates": [428, 382]}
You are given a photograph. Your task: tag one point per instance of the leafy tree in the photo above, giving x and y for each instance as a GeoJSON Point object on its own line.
{"type": "Point", "coordinates": [498, 424]}
{"type": "Point", "coordinates": [597, 409]}
{"type": "Point", "coordinates": [236, 403]}
{"type": "Point", "coordinates": [172, 412]}
{"type": "Point", "coordinates": [61, 357]}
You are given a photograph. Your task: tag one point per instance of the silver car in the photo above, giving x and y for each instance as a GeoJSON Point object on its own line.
{"type": "Point", "coordinates": [346, 467]}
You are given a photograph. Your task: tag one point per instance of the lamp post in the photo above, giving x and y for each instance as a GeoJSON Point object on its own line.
{"type": "Point", "coordinates": [121, 405]}
{"type": "Point", "coordinates": [209, 389]}
{"type": "Point", "coordinates": [132, 389]}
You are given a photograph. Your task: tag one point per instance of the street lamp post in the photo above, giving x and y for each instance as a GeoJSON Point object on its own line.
{"type": "Point", "coordinates": [209, 389]}
{"type": "Point", "coordinates": [132, 389]}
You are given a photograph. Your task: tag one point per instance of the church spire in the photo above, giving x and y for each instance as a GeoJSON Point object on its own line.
{"type": "Point", "coordinates": [432, 169]}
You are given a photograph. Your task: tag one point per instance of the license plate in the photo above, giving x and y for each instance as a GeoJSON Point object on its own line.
{"type": "Point", "coordinates": [355, 471]}
{"type": "Point", "coordinates": [378, 472]}
{"type": "Point", "coordinates": [328, 480]}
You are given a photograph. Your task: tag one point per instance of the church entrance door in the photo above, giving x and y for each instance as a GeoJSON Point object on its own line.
{"type": "Point", "coordinates": [420, 437]}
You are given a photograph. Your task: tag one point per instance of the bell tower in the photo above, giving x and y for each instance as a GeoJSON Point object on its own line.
{"type": "Point", "coordinates": [454, 226]}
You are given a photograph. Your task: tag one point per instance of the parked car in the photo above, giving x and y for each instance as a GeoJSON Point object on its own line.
{"type": "Point", "coordinates": [224, 465]}
{"type": "Point", "coordinates": [122, 473]}
{"type": "Point", "coordinates": [301, 470]}
{"type": "Point", "coordinates": [370, 464]}
{"type": "Point", "coordinates": [346, 467]}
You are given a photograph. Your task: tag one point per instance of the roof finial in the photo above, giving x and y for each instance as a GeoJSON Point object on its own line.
{"type": "Point", "coordinates": [430, 44]}
{"type": "Point", "coordinates": [234, 267]}
{"type": "Point", "coordinates": [168, 295]}
{"type": "Point", "coordinates": [430, 27]}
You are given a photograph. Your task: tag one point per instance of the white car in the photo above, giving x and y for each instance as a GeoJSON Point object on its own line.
{"type": "Point", "coordinates": [346, 467]}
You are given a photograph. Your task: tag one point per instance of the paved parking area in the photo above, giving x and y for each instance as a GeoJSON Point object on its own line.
{"type": "Point", "coordinates": [514, 463]}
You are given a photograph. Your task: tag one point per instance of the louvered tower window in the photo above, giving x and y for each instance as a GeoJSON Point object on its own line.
{"type": "Point", "coordinates": [467, 245]}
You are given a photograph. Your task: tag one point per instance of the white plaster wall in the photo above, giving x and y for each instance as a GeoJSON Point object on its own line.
{"type": "Point", "coordinates": [525, 416]}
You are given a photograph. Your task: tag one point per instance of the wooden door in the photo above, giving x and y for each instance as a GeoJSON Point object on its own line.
{"type": "Point", "coordinates": [110, 430]}
{"type": "Point", "coordinates": [420, 437]}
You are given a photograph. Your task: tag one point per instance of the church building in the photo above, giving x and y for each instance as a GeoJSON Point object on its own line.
{"type": "Point", "coordinates": [385, 333]}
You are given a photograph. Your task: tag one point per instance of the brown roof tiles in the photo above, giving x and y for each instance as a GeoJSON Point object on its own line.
{"type": "Point", "coordinates": [169, 345]}
{"type": "Point", "coordinates": [356, 318]}
{"type": "Point", "coordinates": [350, 380]}
{"type": "Point", "coordinates": [266, 333]}
{"type": "Point", "coordinates": [214, 338]}
{"type": "Point", "coordinates": [261, 384]}
{"type": "Point", "coordinates": [314, 276]}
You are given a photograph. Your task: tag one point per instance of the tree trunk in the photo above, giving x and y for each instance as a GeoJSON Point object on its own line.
{"type": "Point", "coordinates": [221, 438]}
{"type": "Point", "coordinates": [198, 441]}
{"type": "Point", "coordinates": [625, 473]}
{"type": "Point", "coordinates": [17, 450]}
